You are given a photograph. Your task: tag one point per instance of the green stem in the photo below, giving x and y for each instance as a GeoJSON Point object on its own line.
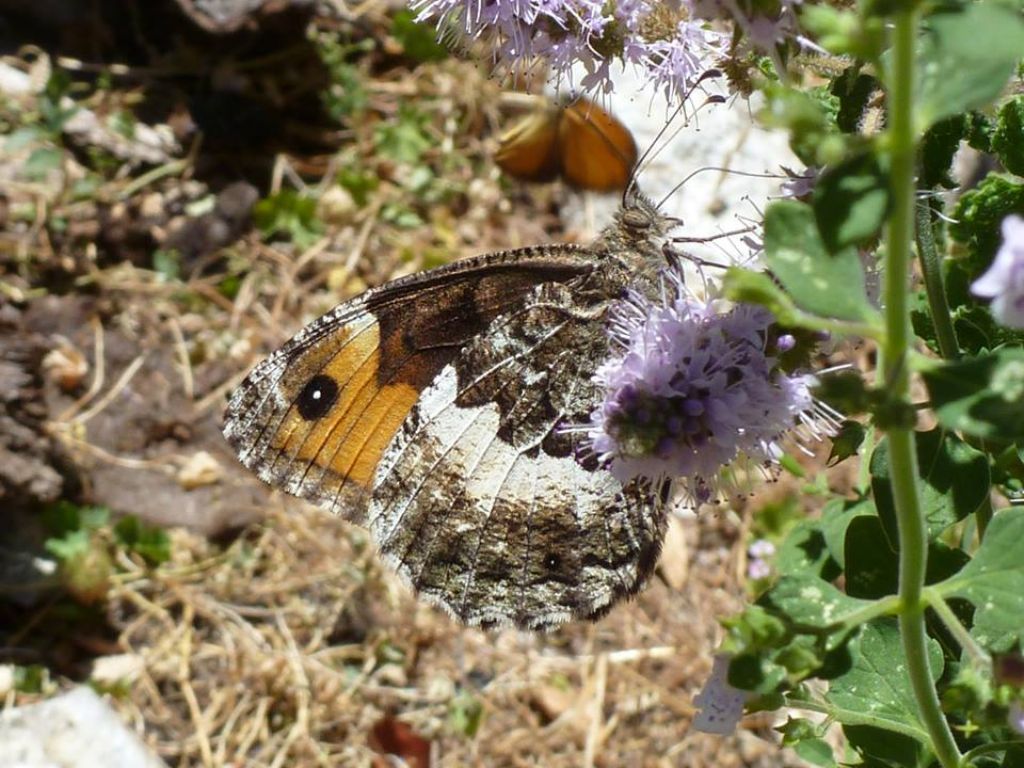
{"type": "Point", "coordinates": [886, 606]}
{"type": "Point", "coordinates": [864, 471]}
{"type": "Point", "coordinates": [982, 517]}
{"type": "Point", "coordinates": [902, 456]}
{"type": "Point", "coordinates": [969, 644]}
{"type": "Point", "coordinates": [931, 269]}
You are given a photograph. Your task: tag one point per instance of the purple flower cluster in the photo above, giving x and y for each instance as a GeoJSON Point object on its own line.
{"type": "Point", "coordinates": [673, 48]}
{"type": "Point", "coordinates": [672, 42]}
{"type": "Point", "coordinates": [696, 390]}
{"type": "Point", "coordinates": [760, 553]}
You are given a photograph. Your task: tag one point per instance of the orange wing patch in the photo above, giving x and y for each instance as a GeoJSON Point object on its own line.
{"type": "Point", "coordinates": [583, 143]}
{"type": "Point", "coordinates": [341, 419]}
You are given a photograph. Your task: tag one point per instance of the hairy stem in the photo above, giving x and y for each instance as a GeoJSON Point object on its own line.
{"type": "Point", "coordinates": [902, 456]}
{"type": "Point", "coordinates": [931, 269]}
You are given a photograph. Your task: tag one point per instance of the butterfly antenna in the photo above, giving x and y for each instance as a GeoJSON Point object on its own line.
{"type": "Point", "coordinates": [723, 169]}
{"type": "Point", "coordinates": [647, 156]}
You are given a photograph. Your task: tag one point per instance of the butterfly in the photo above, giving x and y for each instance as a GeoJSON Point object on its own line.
{"type": "Point", "coordinates": [432, 410]}
{"type": "Point", "coordinates": [580, 142]}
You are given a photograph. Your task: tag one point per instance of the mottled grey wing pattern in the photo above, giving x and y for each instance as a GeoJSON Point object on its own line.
{"type": "Point", "coordinates": [483, 501]}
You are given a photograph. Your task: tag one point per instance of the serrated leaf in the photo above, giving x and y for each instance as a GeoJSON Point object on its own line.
{"type": "Point", "coordinates": [824, 284]}
{"type": "Point", "coordinates": [980, 397]}
{"type": "Point", "coordinates": [954, 481]}
{"type": "Point", "coordinates": [938, 147]}
{"type": "Point", "coordinates": [850, 201]}
{"type": "Point", "coordinates": [994, 583]}
{"type": "Point", "coordinates": [877, 683]}
{"type": "Point", "coordinates": [853, 88]}
{"type": "Point", "coordinates": [978, 214]}
{"type": "Point", "coordinates": [846, 442]}
{"type": "Point", "coordinates": [1008, 138]}
{"type": "Point", "coordinates": [69, 546]}
{"type": "Point", "coordinates": [956, 70]}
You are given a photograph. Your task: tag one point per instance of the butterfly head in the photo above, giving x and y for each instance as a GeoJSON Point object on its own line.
{"type": "Point", "coordinates": [640, 219]}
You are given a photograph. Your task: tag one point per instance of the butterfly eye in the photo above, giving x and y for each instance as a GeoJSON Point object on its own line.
{"type": "Point", "coordinates": [634, 219]}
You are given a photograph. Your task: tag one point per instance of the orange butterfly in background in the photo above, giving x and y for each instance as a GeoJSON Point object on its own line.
{"type": "Point", "coordinates": [585, 145]}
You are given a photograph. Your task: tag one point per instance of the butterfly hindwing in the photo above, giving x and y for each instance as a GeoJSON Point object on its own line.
{"type": "Point", "coordinates": [478, 498]}
{"type": "Point", "coordinates": [597, 151]}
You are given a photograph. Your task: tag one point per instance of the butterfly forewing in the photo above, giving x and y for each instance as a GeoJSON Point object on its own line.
{"type": "Point", "coordinates": [315, 416]}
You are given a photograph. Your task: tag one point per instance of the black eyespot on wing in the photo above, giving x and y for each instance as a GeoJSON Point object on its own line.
{"type": "Point", "coordinates": [317, 397]}
{"type": "Point", "coordinates": [552, 561]}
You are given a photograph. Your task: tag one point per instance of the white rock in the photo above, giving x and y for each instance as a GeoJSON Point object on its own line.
{"type": "Point", "coordinates": [75, 730]}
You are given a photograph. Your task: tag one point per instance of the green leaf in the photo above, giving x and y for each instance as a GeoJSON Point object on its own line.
{"type": "Point", "coordinates": [836, 518]}
{"type": "Point", "coordinates": [816, 752]}
{"type": "Point", "coordinates": [977, 217]}
{"type": "Point", "coordinates": [965, 58]}
{"type": "Point", "coordinates": [954, 481]}
{"type": "Point", "coordinates": [32, 678]}
{"type": "Point", "coordinates": [846, 442]}
{"type": "Point", "coordinates": [809, 121]}
{"type": "Point", "coordinates": [69, 546]}
{"type": "Point", "coordinates": [167, 263]}
{"type": "Point", "coordinates": [994, 583]}
{"type": "Point", "coordinates": [981, 397]}
{"type": "Point", "coordinates": [743, 285]}
{"type": "Point", "coordinates": [853, 88]}
{"type": "Point", "coordinates": [881, 748]}
{"type": "Point", "coordinates": [148, 541]}
{"type": "Point", "coordinates": [359, 184]}
{"type": "Point", "coordinates": [465, 714]}
{"type": "Point", "coordinates": [804, 551]}
{"type": "Point", "coordinates": [850, 202]}
{"type": "Point", "coordinates": [1008, 138]}
{"type": "Point", "coordinates": [827, 285]}
{"type": "Point", "coordinates": [877, 683]}
{"type": "Point", "coordinates": [403, 139]}
{"type": "Point", "coordinates": [41, 162]}
{"type": "Point", "coordinates": [345, 95]}
{"type": "Point", "coordinates": [872, 566]}
{"type": "Point", "coordinates": [804, 737]}
{"type": "Point", "coordinates": [288, 213]}
{"type": "Point", "coordinates": [938, 146]}
{"type": "Point", "coordinates": [419, 41]}
{"type": "Point", "coordinates": [811, 603]}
